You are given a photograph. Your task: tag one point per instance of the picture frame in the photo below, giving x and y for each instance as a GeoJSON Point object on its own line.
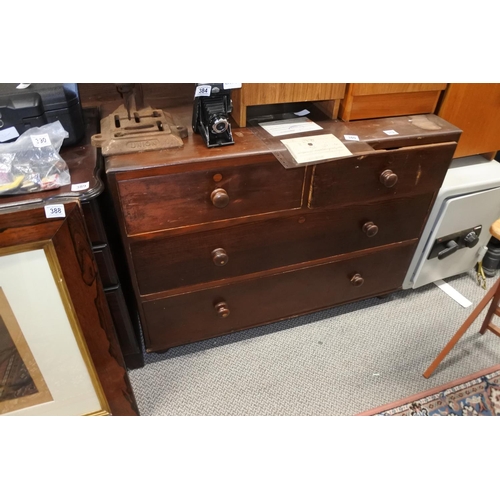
{"type": "Point", "coordinates": [59, 355]}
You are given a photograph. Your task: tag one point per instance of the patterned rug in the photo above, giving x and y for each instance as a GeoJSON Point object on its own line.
{"type": "Point", "coordinates": [476, 395]}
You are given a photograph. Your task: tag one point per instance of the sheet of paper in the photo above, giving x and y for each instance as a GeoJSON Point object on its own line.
{"type": "Point", "coordinates": [316, 148]}
{"type": "Point", "coordinates": [454, 294]}
{"type": "Point", "coordinates": [8, 133]}
{"type": "Point", "coordinates": [291, 126]}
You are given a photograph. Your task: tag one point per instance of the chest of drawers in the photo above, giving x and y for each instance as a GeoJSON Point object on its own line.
{"type": "Point", "coordinates": [219, 240]}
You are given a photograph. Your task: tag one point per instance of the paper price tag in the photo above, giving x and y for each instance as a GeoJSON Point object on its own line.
{"type": "Point", "coordinates": [203, 91]}
{"type": "Point", "coordinates": [80, 187]}
{"type": "Point", "coordinates": [351, 137]}
{"type": "Point", "coordinates": [40, 141]}
{"type": "Point", "coordinates": [390, 132]}
{"type": "Point", "coordinates": [54, 211]}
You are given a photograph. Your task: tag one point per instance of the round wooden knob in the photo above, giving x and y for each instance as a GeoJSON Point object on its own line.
{"type": "Point", "coordinates": [370, 229]}
{"type": "Point", "coordinates": [222, 310]}
{"type": "Point", "coordinates": [357, 280]}
{"type": "Point", "coordinates": [388, 178]}
{"type": "Point", "coordinates": [219, 256]}
{"type": "Point", "coordinates": [219, 198]}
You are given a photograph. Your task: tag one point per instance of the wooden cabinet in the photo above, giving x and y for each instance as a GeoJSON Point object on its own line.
{"type": "Point", "coordinates": [374, 100]}
{"type": "Point", "coordinates": [475, 108]}
{"type": "Point", "coordinates": [223, 239]}
{"type": "Point", "coordinates": [327, 95]}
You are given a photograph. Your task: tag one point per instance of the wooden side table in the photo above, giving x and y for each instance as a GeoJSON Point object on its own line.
{"type": "Point", "coordinates": [86, 167]}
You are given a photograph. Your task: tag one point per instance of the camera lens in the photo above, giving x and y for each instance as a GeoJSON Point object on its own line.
{"type": "Point", "coordinates": [219, 125]}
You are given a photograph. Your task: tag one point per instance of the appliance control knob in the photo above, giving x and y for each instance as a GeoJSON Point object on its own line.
{"type": "Point", "coordinates": [471, 239]}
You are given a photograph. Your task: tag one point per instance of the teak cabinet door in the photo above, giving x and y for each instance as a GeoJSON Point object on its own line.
{"type": "Point", "coordinates": [475, 108]}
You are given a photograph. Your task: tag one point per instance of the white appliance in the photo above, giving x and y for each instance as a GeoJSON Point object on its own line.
{"type": "Point", "coordinates": [457, 230]}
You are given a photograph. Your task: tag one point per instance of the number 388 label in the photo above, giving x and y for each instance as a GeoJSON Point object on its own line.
{"type": "Point", "coordinates": [40, 141]}
{"type": "Point", "coordinates": [54, 211]}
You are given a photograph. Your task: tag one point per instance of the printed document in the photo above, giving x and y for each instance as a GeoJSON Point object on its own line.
{"type": "Point", "coordinates": [316, 148]}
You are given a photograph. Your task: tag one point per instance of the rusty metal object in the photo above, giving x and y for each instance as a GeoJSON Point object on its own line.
{"type": "Point", "coordinates": [136, 130]}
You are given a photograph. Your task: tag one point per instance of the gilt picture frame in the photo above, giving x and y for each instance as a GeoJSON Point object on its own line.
{"type": "Point", "coordinates": [55, 326]}
{"type": "Point", "coordinates": [56, 375]}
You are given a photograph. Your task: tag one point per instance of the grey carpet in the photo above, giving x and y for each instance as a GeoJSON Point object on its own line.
{"type": "Point", "coordinates": [340, 361]}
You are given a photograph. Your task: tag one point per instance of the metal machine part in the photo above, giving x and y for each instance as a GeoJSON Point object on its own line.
{"type": "Point", "coordinates": [134, 127]}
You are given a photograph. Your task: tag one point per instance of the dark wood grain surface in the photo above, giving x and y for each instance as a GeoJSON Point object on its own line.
{"type": "Point", "coordinates": [419, 169]}
{"type": "Point", "coordinates": [221, 239]}
{"type": "Point", "coordinates": [193, 316]}
{"type": "Point", "coordinates": [174, 200]}
{"type": "Point", "coordinates": [164, 262]}
{"type": "Point", "coordinates": [411, 130]}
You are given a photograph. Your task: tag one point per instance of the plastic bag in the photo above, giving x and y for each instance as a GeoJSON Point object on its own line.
{"type": "Point", "coordinates": [32, 163]}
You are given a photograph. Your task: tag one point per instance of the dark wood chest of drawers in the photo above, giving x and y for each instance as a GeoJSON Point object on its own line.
{"type": "Point", "coordinates": [224, 239]}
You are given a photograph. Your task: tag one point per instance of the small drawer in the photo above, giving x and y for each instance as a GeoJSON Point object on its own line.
{"type": "Point", "coordinates": [163, 262]}
{"type": "Point", "coordinates": [383, 174]}
{"type": "Point", "coordinates": [106, 266]}
{"type": "Point", "coordinates": [221, 192]}
{"type": "Point", "coordinates": [211, 312]}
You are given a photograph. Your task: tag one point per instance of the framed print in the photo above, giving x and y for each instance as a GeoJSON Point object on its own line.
{"type": "Point", "coordinates": [59, 355]}
{"type": "Point", "coordinates": [21, 382]}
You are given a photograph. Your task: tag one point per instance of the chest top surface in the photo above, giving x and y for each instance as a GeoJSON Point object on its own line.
{"type": "Point", "coordinates": [411, 131]}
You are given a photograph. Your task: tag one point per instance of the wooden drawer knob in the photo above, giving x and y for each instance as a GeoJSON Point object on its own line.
{"type": "Point", "coordinates": [222, 310]}
{"type": "Point", "coordinates": [219, 256]}
{"type": "Point", "coordinates": [357, 280]}
{"type": "Point", "coordinates": [219, 198]}
{"type": "Point", "coordinates": [388, 178]}
{"type": "Point", "coordinates": [370, 229]}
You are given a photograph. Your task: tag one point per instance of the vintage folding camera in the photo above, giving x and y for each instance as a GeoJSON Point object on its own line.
{"type": "Point", "coordinates": [212, 106]}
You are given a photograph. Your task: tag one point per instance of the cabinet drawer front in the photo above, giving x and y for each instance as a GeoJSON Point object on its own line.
{"type": "Point", "coordinates": [164, 263]}
{"type": "Point", "coordinates": [183, 199]}
{"type": "Point", "coordinates": [207, 313]}
{"type": "Point", "coordinates": [384, 174]}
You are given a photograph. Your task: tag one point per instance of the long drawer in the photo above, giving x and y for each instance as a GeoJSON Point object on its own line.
{"type": "Point", "coordinates": [407, 171]}
{"type": "Point", "coordinates": [164, 263]}
{"type": "Point", "coordinates": [218, 192]}
{"type": "Point", "coordinates": [215, 311]}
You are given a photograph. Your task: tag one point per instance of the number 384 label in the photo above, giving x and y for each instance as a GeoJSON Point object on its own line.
{"type": "Point", "coordinates": [54, 211]}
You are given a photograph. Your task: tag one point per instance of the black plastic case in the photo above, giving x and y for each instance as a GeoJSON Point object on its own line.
{"type": "Point", "coordinates": [42, 103]}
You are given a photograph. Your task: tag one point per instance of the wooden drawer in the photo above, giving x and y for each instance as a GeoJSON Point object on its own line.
{"type": "Point", "coordinates": [384, 174]}
{"type": "Point", "coordinates": [163, 263]}
{"type": "Point", "coordinates": [219, 193]}
{"type": "Point", "coordinates": [194, 316]}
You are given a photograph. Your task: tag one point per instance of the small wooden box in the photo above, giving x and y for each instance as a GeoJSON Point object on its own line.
{"type": "Point", "coordinates": [326, 95]}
